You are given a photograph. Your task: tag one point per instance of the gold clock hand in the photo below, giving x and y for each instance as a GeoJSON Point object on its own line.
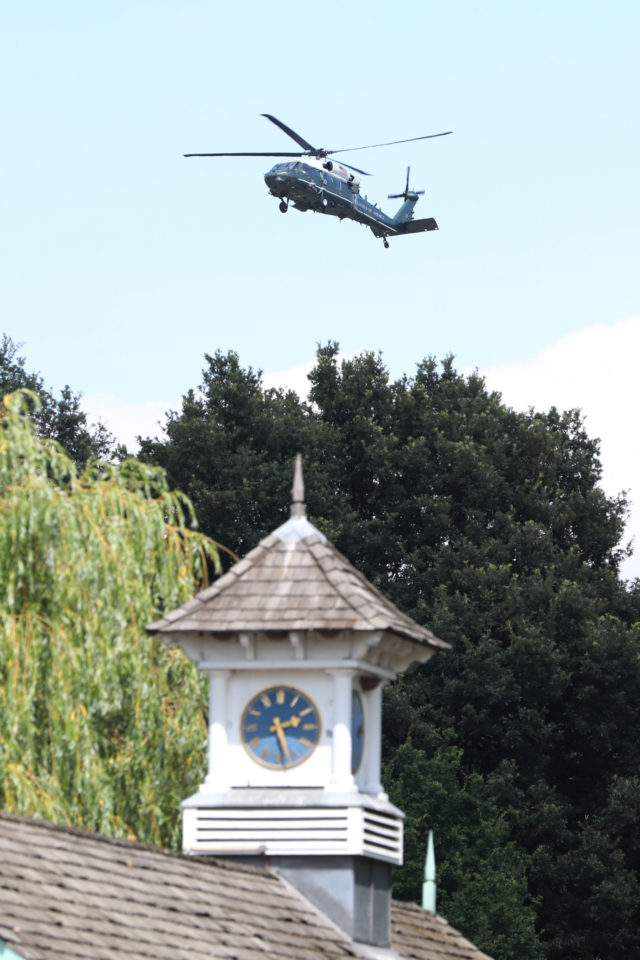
{"type": "Point", "coordinates": [292, 722]}
{"type": "Point", "coordinates": [277, 728]}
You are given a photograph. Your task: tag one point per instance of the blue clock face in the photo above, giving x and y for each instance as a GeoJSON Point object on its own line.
{"type": "Point", "coordinates": [280, 727]}
{"type": "Point", "coordinates": [357, 731]}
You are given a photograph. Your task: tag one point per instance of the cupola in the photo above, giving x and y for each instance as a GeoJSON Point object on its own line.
{"type": "Point", "coordinates": [297, 646]}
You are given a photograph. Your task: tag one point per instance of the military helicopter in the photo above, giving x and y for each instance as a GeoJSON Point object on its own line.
{"type": "Point", "coordinates": [320, 184]}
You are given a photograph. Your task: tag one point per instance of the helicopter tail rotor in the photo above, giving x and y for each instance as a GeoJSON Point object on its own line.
{"type": "Point", "coordinates": [407, 194]}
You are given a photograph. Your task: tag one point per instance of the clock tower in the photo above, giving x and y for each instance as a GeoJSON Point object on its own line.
{"type": "Point", "coordinates": [297, 646]}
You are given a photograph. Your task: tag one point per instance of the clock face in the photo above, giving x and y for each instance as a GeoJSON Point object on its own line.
{"type": "Point", "coordinates": [357, 731]}
{"type": "Point", "coordinates": [280, 727]}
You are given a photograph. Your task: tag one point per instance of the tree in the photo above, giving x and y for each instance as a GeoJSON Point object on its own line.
{"type": "Point", "coordinates": [95, 716]}
{"type": "Point", "coordinates": [61, 419]}
{"type": "Point", "coordinates": [598, 877]}
{"type": "Point", "coordinates": [489, 526]}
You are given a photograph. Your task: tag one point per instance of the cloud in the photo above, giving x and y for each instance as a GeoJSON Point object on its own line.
{"type": "Point", "coordinates": [126, 420]}
{"type": "Point", "coordinates": [596, 370]}
{"type": "Point", "coordinates": [295, 378]}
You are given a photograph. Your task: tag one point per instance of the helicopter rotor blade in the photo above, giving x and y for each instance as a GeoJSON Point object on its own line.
{"type": "Point", "coordinates": [357, 169]}
{"type": "Point", "coordinates": [290, 133]}
{"type": "Point", "coordinates": [390, 143]}
{"type": "Point", "coordinates": [243, 154]}
{"type": "Point", "coordinates": [316, 152]}
{"type": "Point", "coordinates": [301, 154]}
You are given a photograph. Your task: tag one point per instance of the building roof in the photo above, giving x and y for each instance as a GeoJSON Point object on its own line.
{"type": "Point", "coordinates": [295, 579]}
{"type": "Point", "coordinates": [67, 894]}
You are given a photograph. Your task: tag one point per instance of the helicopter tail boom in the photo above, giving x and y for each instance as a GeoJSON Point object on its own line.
{"type": "Point", "coordinates": [405, 212]}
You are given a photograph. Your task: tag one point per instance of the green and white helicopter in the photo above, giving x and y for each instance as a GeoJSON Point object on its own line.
{"type": "Point", "coordinates": [317, 183]}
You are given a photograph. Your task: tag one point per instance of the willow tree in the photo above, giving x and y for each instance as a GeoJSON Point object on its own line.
{"type": "Point", "coordinates": [100, 724]}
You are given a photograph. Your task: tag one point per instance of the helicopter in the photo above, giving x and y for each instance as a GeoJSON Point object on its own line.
{"type": "Point", "coordinates": [315, 182]}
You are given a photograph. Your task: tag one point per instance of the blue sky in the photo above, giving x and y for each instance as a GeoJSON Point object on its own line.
{"type": "Point", "coordinates": [124, 263]}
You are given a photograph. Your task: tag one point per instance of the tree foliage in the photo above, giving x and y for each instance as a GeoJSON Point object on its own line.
{"type": "Point", "coordinates": [489, 526]}
{"type": "Point", "coordinates": [96, 717]}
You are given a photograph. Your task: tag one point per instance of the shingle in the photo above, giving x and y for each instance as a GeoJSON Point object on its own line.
{"type": "Point", "coordinates": [69, 894]}
{"type": "Point", "coordinates": [306, 580]}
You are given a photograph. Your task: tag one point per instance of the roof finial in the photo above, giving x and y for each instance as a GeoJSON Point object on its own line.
{"type": "Point", "coordinates": [298, 506]}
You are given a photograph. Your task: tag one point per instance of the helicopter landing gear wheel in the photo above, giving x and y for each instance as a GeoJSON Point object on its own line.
{"type": "Point", "coordinates": [283, 206]}
{"type": "Point", "coordinates": [386, 243]}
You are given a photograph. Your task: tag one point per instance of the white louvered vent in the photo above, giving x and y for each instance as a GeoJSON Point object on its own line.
{"type": "Point", "coordinates": [382, 836]}
{"type": "Point", "coordinates": [317, 831]}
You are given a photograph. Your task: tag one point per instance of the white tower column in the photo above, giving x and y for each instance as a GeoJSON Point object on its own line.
{"type": "Point", "coordinates": [341, 777]}
{"type": "Point", "coordinates": [217, 776]}
{"type": "Point", "coordinates": [372, 750]}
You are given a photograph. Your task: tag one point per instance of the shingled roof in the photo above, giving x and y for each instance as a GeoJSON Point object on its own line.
{"type": "Point", "coordinates": [295, 579]}
{"type": "Point", "coordinates": [66, 894]}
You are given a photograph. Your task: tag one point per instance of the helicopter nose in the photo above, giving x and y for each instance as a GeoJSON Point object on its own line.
{"type": "Point", "coordinates": [275, 176]}
{"type": "Point", "coordinates": [275, 180]}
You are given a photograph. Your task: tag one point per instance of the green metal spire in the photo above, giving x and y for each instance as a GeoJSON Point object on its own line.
{"type": "Point", "coordinates": [6, 953]}
{"type": "Point", "coordinates": [429, 885]}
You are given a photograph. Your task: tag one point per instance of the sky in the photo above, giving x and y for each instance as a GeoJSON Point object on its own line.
{"type": "Point", "coordinates": [123, 263]}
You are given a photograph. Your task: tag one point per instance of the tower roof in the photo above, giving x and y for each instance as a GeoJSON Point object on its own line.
{"type": "Point", "coordinates": [295, 579]}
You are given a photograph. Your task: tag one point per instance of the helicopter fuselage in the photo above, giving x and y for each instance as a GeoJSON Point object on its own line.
{"type": "Point", "coordinates": [325, 186]}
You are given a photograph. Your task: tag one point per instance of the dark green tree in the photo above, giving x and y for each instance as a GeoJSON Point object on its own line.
{"type": "Point", "coordinates": [488, 525]}
{"type": "Point", "coordinates": [62, 418]}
